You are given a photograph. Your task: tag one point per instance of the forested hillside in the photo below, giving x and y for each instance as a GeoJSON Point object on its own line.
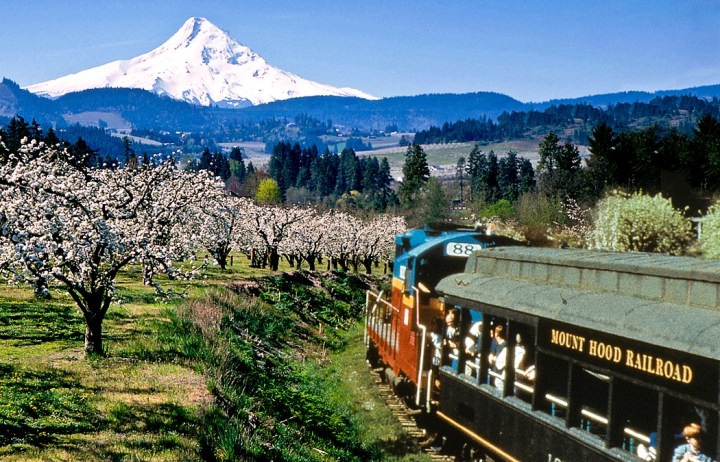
{"type": "Point", "coordinates": [575, 122]}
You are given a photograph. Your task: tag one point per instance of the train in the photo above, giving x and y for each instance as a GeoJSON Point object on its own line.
{"type": "Point", "coordinates": [516, 353]}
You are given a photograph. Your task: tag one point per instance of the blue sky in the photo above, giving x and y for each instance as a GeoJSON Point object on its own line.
{"type": "Point", "coordinates": [530, 50]}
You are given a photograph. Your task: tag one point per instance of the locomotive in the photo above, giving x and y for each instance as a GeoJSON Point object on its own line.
{"type": "Point", "coordinates": [517, 353]}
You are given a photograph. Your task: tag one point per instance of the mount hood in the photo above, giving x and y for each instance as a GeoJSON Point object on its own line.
{"type": "Point", "coordinates": [200, 64]}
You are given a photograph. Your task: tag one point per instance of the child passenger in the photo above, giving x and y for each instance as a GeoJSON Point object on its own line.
{"type": "Point", "coordinates": [691, 451]}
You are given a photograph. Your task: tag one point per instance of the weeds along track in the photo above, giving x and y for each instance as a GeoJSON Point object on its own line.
{"type": "Point", "coordinates": [405, 416]}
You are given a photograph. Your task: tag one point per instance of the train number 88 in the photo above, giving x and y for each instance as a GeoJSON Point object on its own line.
{"type": "Point", "coordinates": [461, 249]}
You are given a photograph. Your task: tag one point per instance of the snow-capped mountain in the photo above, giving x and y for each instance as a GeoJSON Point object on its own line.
{"type": "Point", "coordinates": [200, 64]}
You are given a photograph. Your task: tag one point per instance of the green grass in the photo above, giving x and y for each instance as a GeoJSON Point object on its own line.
{"type": "Point", "coordinates": [154, 395]}
{"type": "Point", "coordinates": [57, 405]}
{"type": "Point", "coordinates": [355, 388]}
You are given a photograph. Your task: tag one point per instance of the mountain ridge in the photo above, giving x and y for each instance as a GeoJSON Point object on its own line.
{"type": "Point", "coordinates": [145, 109]}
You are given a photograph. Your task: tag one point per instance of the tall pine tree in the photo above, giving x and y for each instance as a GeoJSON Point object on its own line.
{"type": "Point", "coordinates": [415, 175]}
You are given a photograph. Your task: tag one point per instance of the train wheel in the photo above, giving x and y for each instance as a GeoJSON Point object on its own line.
{"type": "Point", "coordinates": [372, 356]}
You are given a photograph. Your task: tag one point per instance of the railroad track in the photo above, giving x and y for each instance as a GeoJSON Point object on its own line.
{"type": "Point", "coordinates": [405, 417]}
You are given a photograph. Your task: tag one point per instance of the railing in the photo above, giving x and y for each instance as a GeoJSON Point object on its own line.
{"type": "Point", "coordinates": [633, 436]}
{"type": "Point", "coordinates": [519, 385]}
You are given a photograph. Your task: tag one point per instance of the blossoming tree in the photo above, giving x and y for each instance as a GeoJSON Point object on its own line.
{"type": "Point", "coordinates": [219, 223]}
{"type": "Point", "coordinates": [85, 225]}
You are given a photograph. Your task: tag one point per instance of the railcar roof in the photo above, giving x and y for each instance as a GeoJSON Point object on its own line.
{"type": "Point", "coordinates": [673, 302]}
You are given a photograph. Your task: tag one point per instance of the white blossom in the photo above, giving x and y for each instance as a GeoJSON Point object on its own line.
{"type": "Point", "coordinates": [81, 226]}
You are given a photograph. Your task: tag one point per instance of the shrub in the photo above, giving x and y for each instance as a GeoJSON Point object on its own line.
{"type": "Point", "coordinates": [573, 230]}
{"type": "Point", "coordinates": [710, 237]}
{"type": "Point", "coordinates": [537, 215]}
{"type": "Point", "coordinates": [639, 222]}
{"type": "Point", "coordinates": [502, 209]}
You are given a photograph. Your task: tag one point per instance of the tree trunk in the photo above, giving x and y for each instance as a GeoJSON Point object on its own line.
{"type": "Point", "coordinates": [222, 262]}
{"type": "Point", "coordinates": [93, 337]}
{"type": "Point", "coordinates": [274, 259]}
{"type": "Point", "coordinates": [367, 263]}
{"type": "Point", "coordinates": [291, 260]}
{"type": "Point", "coordinates": [148, 273]}
{"type": "Point", "coordinates": [311, 263]}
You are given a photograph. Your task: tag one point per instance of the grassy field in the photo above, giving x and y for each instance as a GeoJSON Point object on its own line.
{"type": "Point", "coordinates": [57, 405]}
{"type": "Point", "coordinates": [141, 401]}
{"type": "Point", "coordinates": [442, 158]}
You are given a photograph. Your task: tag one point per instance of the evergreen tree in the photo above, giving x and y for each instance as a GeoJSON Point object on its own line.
{"type": "Point", "coordinates": [526, 180]}
{"type": "Point", "coordinates": [508, 176]}
{"type": "Point", "coordinates": [384, 180]}
{"type": "Point", "coordinates": [192, 165]}
{"type": "Point", "coordinates": [435, 205]}
{"type": "Point", "coordinates": [16, 130]}
{"type": "Point", "coordinates": [460, 172]}
{"type": "Point", "coordinates": [129, 152]}
{"type": "Point", "coordinates": [221, 166]}
{"type": "Point", "coordinates": [206, 160]}
{"type": "Point", "coordinates": [81, 155]}
{"type": "Point", "coordinates": [549, 153]}
{"type": "Point", "coordinates": [559, 168]}
{"type": "Point", "coordinates": [370, 168]}
{"type": "Point", "coordinates": [237, 164]}
{"type": "Point", "coordinates": [348, 174]}
{"type": "Point", "coordinates": [601, 165]}
{"type": "Point", "coordinates": [51, 138]}
{"type": "Point", "coordinates": [304, 177]}
{"type": "Point", "coordinates": [490, 179]}
{"type": "Point", "coordinates": [34, 131]}
{"type": "Point", "coordinates": [646, 161]}
{"type": "Point", "coordinates": [415, 175]}
{"type": "Point", "coordinates": [319, 181]}
{"type": "Point", "coordinates": [476, 164]}
{"type": "Point", "coordinates": [704, 160]}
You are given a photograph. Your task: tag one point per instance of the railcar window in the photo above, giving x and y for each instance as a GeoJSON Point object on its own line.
{"type": "Point", "coordinates": [493, 347]}
{"type": "Point", "coordinates": [677, 414]}
{"type": "Point", "coordinates": [451, 339]}
{"type": "Point", "coordinates": [472, 342]}
{"type": "Point", "coordinates": [523, 344]}
{"type": "Point", "coordinates": [590, 395]}
{"type": "Point", "coordinates": [634, 412]}
{"type": "Point", "coordinates": [551, 391]}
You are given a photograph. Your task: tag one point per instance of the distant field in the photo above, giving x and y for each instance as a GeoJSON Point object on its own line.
{"type": "Point", "coordinates": [137, 139]}
{"type": "Point", "coordinates": [252, 150]}
{"type": "Point", "coordinates": [93, 118]}
{"type": "Point", "coordinates": [443, 158]}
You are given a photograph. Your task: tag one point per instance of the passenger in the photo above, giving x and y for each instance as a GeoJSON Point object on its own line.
{"type": "Point", "coordinates": [501, 361]}
{"type": "Point", "coordinates": [452, 338]}
{"type": "Point", "coordinates": [691, 450]}
{"type": "Point", "coordinates": [436, 340]}
{"type": "Point", "coordinates": [472, 349]}
{"type": "Point", "coordinates": [497, 343]}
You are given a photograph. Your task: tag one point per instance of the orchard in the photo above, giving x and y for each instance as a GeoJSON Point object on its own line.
{"type": "Point", "coordinates": [65, 224]}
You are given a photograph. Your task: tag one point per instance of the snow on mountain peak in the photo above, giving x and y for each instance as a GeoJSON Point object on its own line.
{"type": "Point", "coordinates": [200, 64]}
